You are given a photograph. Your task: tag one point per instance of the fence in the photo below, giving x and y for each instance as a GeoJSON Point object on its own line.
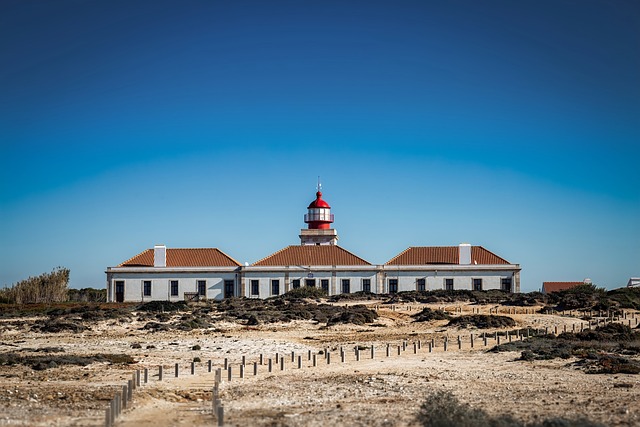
{"type": "Point", "coordinates": [123, 398]}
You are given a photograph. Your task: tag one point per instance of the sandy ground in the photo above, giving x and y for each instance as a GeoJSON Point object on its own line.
{"type": "Point", "coordinates": [384, 391]}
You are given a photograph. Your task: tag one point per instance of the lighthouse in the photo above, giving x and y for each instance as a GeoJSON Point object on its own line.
{"type": "Point", "coordinates": [318, 219]}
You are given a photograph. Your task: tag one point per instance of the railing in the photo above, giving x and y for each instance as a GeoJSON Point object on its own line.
{"type": "Point", "coordinates": [318, 217]}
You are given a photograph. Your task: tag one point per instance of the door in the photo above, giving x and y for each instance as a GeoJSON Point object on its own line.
{"type": "Point", "coordinates": [228, 288]}
{"type": "Point", "coordinates": [119, 290]}
{"type": "Point", "coordinates": [393, 286]}
{"type": "Point", "coordinates": [202, 288]}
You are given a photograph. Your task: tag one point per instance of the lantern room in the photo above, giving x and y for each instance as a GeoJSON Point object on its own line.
{"type": "Point", "coordinates": [319, 216]}
{"type": "Point", "coordinates": [318, 219]}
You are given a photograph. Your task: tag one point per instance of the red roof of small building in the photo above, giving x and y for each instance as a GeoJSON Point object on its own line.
{"type": "Point", "coordinates": [311, 255]}
{"type": "Point", "coordinates": [548, 287]}
{"type": "Point", "coordinates": [190, 257]}
{"type": "Point", "coordinates": [425, 255]}
{"type": "Point", "coordinates": [318, 202]}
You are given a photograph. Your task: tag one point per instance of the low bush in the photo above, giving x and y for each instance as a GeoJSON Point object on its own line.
{"type": "Point", "coordinates": [482, 321]}
{"type": "Point", "coordinates": [602, 350]}
{"type": "Point", "coordinates": [304, 292]}
{"type": "Point", "coordinates": [40, 363]}
{"type": "Point", "coordinates": [357, 314]}
{"type": "Point", "coordinates": [162, 306]}
{"type": "Point", "coordinates": [428, 315]}
{"type": "Point", "coordinates": [443, 409]}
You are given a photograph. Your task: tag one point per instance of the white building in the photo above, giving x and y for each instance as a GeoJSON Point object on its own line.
{"type": "Point", "coordinates": [173, 275]}
{"type": "Point", "coordinates": [633, 282]}
{"type": "Point", "coordinates": [179, 274]}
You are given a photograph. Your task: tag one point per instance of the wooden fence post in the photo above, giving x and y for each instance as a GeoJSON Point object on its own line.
{"type": "Point", "coordinates": [124, 397]}
{"type": "Point", "coordinates": [220, 415]}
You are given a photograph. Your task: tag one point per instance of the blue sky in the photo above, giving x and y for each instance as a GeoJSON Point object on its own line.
{"type": "Point", "coordinates": [512, 125]}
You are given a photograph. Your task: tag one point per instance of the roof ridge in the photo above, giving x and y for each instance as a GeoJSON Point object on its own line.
{"type": "Point", "coordinates": [228, 256]}
{"type": "Point", "coordinates": [497, 256]}
{"type": "Point", "coordinates": [273, 254]}
{"type": "Point", "coordinates": [135, 256]}
{"type": "Point", "coordinates": [352, 254]}
{"type": "Point", "coordinates": [402, 253]}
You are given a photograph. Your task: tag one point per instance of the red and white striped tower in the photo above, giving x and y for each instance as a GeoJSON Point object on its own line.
{"type": "Point", "coordinates": [319, 219]}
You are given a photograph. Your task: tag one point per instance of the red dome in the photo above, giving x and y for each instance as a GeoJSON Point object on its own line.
{"type": "Point", "coordinates": [318, 202]}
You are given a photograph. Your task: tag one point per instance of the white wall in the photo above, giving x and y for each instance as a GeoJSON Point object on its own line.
{"type": "Point", "coordinates": [287, 276]}
{"type": "Point", "coordinates": [378, 275]}
{"type": "Point", "coordinates": [160, 284]}
{"type": "Point", "coordinates": [407, 280]}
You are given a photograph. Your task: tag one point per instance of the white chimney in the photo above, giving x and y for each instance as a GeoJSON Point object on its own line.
{"type": "Point", "coordinates": [465, 254]}
{"type": "Point", "coordinates": [159, 256]}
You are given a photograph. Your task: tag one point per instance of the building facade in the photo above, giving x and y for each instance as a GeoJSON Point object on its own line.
{"type": "Point", "coordinates": [318, 261]}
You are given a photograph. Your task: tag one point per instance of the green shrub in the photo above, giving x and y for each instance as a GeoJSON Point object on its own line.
{"type": "Point", "coordinates": [482, 321]}
{"type": "Point", "coordinates": [443, 409]}
{"type": "Point", "coordinates": [305, 292]}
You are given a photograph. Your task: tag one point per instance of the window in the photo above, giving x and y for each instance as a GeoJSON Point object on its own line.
{"type": "Point", "coordinates": [202, 287]}
{"type": "Point", "coordinates": [421, 285]}
{"type": "Point", "coordinates": [275, 287]}
{"type": "Point", "coordinates": [366, 285]}
{"type": "Point", "coordinates": [346, 286]}
{"type": "Point", "coordinates": [228, 288]}
{"type": "Point", "coordinates": [393, 286]}
{"type": "Point", "coordinates": [146, 288]}
{"type": "Point", "coordinates": [477, 284]}
{"type": "Point", "coordinates": [255, 287]}
{"type": "Point", "coordinates": [174, 288]}
{"type": "Point", "coordinates": [448, 284]}
{"type": "Point", "coordinates": [311, 283]}
{"type": "Point", "coordinates": [296, 283]}
{"type": "Point", "coordinates": [325, 285]}
{"type": "Point", "coordinates": [505, 284]}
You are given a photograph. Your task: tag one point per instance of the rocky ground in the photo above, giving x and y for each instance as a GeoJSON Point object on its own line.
{"type": "Point", "coordinates": [68, 377]}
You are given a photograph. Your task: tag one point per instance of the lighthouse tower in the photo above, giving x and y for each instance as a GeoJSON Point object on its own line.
{"type": "Point", "coordinates": [319, 219]}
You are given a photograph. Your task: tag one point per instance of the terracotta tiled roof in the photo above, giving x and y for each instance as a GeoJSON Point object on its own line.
{"type": "Point", "coordinates": [312, 255]}
{"type": "Point", "coordinates": [425, 255]}
{"type": "Point", "coordinates": [200, 257]}
{"type": "Point", "coordinates": [548, 287]}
